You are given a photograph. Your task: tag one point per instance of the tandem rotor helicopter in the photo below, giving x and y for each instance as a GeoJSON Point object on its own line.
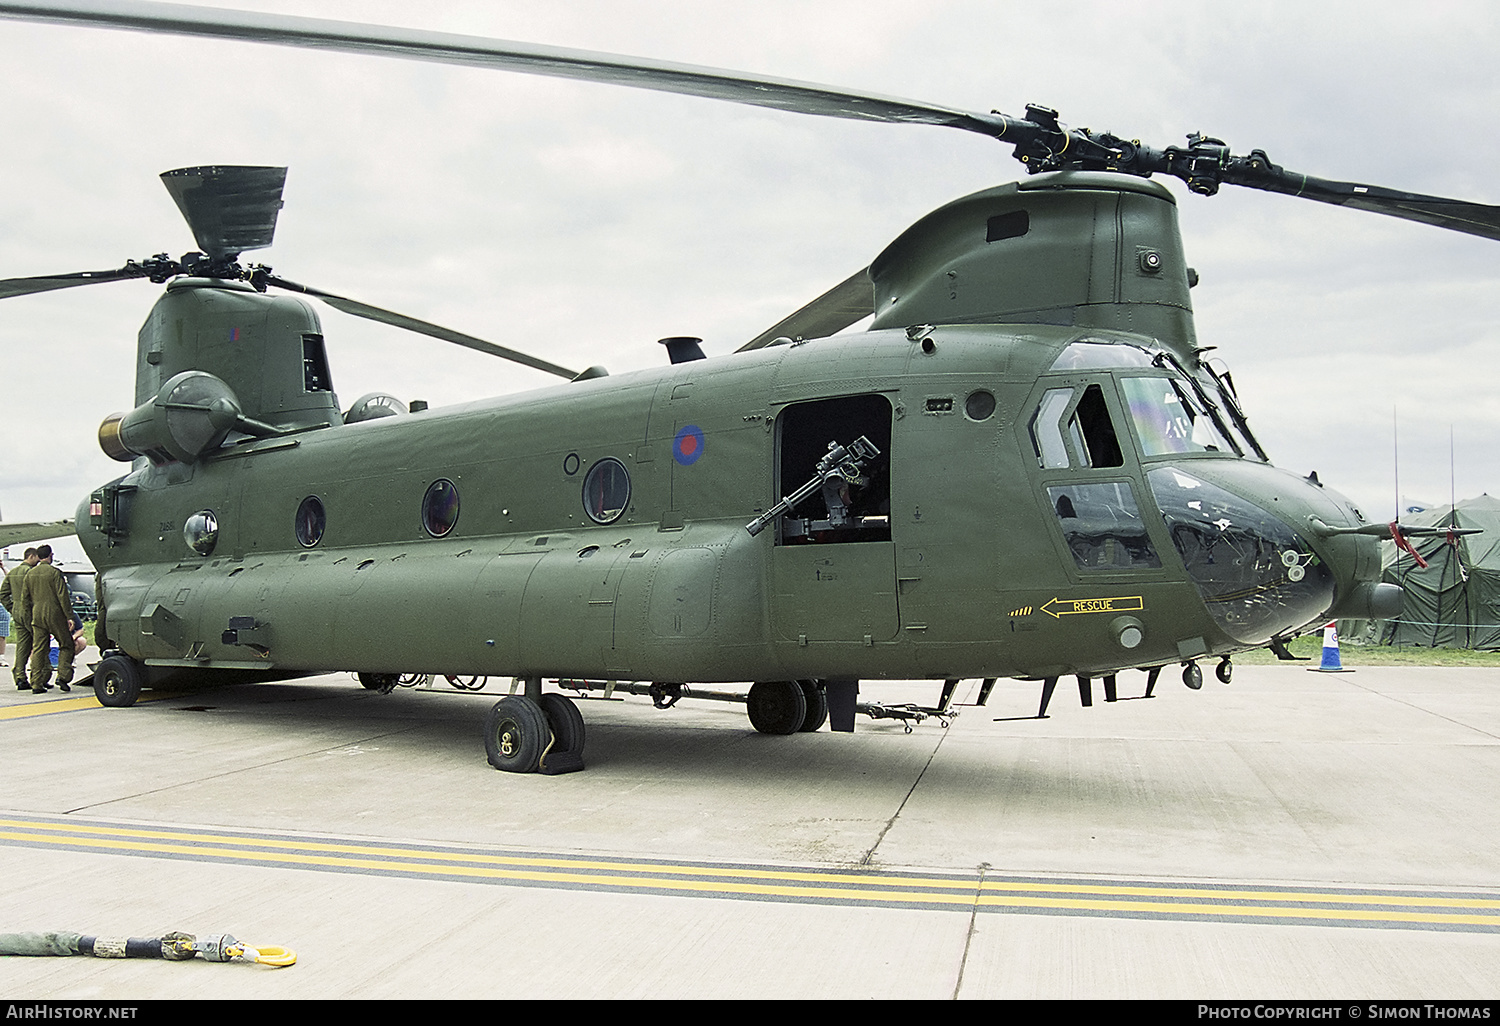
{"type": "Point", "coordinates": [1026, 467]}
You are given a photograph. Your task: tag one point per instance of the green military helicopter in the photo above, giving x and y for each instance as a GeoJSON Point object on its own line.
{"type": "Point", "coordinates": [1025, 468]}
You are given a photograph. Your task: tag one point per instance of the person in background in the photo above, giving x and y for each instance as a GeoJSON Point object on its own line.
{"type": "Point", "coordinates": [51, 609]}
{"type": "Point", "coordinates": [4, 617]}
{"type": "Point", "coordinates": [13, 598]}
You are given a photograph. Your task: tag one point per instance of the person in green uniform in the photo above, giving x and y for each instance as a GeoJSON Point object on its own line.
{"type": "Point", "coordinates": [13, 598]}
{"type": "Point", "coordinates": [51, 617]}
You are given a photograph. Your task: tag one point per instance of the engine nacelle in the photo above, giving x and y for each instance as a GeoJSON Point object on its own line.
{"type": "Point", "coordinates": [191, 415]}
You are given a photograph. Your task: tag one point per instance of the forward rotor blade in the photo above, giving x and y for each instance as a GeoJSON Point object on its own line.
{"type": "Point", "coordinates": [474, 51]}
{"type": "Point", "coordinates": [10, 287]}
{"type": "Point", "coordinates": [1041, 141]}
{"type": "Point", "coordinates": [375, 313]}
{"type": "Point", "coordinates": [1455, 215]}
{"type": "Point", "coordinates": [836, 309]}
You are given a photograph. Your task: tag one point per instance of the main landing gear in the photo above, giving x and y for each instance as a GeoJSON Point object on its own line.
{"type": "Point", "coordinates": [525, 733]}
{"type": "Point", "coordinates": [787, 706]}
{"type": "Point", "coordinates": [118, 680]}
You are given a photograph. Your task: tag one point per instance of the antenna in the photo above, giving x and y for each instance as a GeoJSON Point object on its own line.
{"type": "Point", "coordinates": [1396, 462]}
{"type": "Point", "coordinates": [1452, 484]}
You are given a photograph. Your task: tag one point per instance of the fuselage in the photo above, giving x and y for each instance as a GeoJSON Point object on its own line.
{"type": "Point", "coordinates": [1035, 510]}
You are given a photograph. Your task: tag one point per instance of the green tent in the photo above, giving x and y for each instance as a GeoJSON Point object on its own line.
{"type": "Point", "coordinates": [1455, 601]}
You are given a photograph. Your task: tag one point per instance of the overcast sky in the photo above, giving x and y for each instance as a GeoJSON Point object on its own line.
{"type": "Point", "coordinates": [583, 222]}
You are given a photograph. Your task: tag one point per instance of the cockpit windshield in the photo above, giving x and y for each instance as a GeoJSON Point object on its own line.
{"type": "Point", "coordinates": [1170, 420]}
{"type": "Point", "coordinates": [1173, 412]}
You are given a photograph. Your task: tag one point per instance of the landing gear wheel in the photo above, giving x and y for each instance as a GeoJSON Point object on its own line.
{"type": "Point", "coordinates": [515, 734]}
{"type": "Point", "coordinates": [1192, 676]}
{"type": "Point", "coordinates": [817, 706]}
{"type": "Point", "coordinates": [117, 681]}
{"type": "Point", "coordinates": [776, 706]}
{"type": "Point", "coordinates": [384, 683]}
{"type": "Point", "coordinates": [566, 722]}
{"type": "Point", "coordinates": [1224, 671]}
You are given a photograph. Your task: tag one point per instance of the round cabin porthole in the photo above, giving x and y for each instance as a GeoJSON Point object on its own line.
{"type": "Point", "coordinates": [311, 520]}
{"type": "Point", "coordinates": [606, 491]}
{"type": "Point", "coordinates": [201, 532]}
{"type": "Point", "coordinates": [440, 508]}
{"type": "Point", "coordinates": [980, 405]}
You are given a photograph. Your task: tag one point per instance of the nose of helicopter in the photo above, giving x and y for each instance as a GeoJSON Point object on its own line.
{"type": "Point", "coordinates": [1260, 545]}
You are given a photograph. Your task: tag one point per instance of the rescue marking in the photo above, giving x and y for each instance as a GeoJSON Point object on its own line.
{"type": "Point", "coordinates": [1058, 608]}
{"type": "Point", "coordinates": [964, 891]}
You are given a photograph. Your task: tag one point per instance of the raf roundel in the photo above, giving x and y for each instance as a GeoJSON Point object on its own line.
{"type": "Point", "coordinates": [688, 445]}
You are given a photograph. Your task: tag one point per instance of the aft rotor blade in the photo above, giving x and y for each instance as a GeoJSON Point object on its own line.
{"type": "Point", "coordinates": [10, 287]}
{"type": "Point", "coordinates": [475, 51]}
{"type": "Point", "coordinates": [833, 311]}
{"type": "Point", "coordinates": [20, 534]}
{"type": "Point", "coordinates": [375, 313]}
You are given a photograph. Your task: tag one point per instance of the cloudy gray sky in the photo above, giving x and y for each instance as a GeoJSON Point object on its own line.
{"type": "Point", "coordinates": [585, 221]}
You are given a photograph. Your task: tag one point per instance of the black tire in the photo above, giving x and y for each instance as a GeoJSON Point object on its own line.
{"type": "Point", "coordinates": [817, 706]}
{"type": "Point", "coordinates": [385, 683]}
{"type": "Point", "coordinates": [565, 721]}
{"type": "Point", "coordinates": [117, 681]}
{"type": "Point", "coordinates": [1224, 671]}
{"type": "Point", "coordinates": [776, 706]}
{"type": "Point", "coordinates": [1192, 676]}
{"type": "Point", "coordinates": [516, 734]}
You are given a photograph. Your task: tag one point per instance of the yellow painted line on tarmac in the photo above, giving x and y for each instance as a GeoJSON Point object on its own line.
{"type": "Point", "coordinates": [62, 705]}
{"type": "Point", "coordinates": [55, 705]}
{"type": "Point", "coordinates": [1234, 893]}
{"type": "Point", "coordinates": [549, 867]}
{"type": "Point", "coordinates": [612, 881]}
{"type": "Point", "coordinates": [1233, 909]}
{"type": "Point", "coordinates": [989, 892]}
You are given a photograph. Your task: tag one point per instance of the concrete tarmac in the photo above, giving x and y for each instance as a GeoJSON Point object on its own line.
{"type": "Point", "coordinates": [1296, 835]}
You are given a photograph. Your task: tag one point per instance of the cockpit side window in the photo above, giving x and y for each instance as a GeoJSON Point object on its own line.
{"type": "Point", "coordinates": [1088, 430]}
{"type": "Point", "coordinates": [1101, 446]}
{"type": "Point", "coordinates": [1046, 428]}
{"type": "Point", "coordinates": [1102, 526]}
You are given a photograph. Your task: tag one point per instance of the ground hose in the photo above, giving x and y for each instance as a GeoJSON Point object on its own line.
{"type": "Point", "coordinates": [174, 947]}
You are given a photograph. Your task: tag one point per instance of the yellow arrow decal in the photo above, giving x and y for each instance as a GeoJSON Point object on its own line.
{"type": "Point", "coordinates": [1058, 608]}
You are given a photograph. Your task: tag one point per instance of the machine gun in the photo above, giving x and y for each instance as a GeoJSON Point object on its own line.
{"type": "Point", "coordinates": [840, 466]}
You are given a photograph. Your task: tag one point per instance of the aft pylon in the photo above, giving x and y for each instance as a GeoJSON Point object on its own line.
{"type": "Point", "coordinates": [1331, 662]}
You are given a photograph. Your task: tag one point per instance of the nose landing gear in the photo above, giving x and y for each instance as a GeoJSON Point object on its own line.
{"type": "Point", "coordinates": [1192, 676]}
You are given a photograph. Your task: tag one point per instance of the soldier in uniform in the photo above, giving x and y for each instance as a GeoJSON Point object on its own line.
{"type": "Point", "coordinates": [13, 597]}
{"type": "Point", "coordinates": [51, 617]}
